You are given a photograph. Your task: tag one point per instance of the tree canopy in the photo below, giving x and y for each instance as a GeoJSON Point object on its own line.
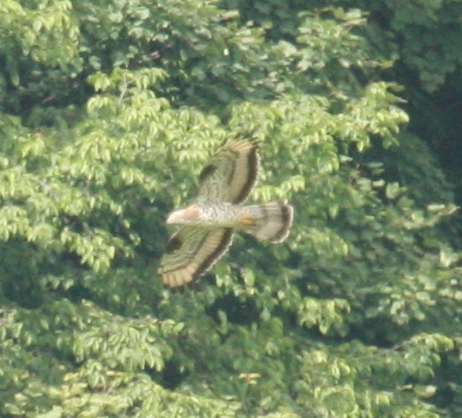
{"type": "Point", "coordinates": [108, 111]}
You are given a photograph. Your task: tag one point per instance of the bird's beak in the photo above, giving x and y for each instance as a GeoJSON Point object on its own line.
{"type": "Point", "coordinates": [174, 217]}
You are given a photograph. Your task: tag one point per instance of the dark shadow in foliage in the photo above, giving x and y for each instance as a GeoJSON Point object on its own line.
{"type": "Point", "coordinates": [170, 377]}
{"type": "Point", "coordinates": [148, 219]}
{"type": "Point", "coordinates": [238, 311]}
{"type": "Point", "coordinates": [448, 380]}
{"type": "Point", "coordinates": [19, 271]}
{"type": "Point", "coordinates": [75, 294]}
{"type": "Point", "coordinates": [23, 291]}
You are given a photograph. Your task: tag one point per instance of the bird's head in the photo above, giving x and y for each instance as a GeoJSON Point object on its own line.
{"type": "Point", "coordinates": [190, 215]}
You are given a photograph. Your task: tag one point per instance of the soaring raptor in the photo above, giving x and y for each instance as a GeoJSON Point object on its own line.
{"type": "Point", "coordinates": [209, 223]}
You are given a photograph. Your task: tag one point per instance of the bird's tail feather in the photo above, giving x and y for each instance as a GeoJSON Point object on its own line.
{"type": "Point", "coordinates": [268, 221]}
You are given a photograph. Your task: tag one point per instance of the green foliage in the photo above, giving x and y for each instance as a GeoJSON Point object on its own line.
{"type": "Point", "coordinates": [422, 35]}
{"type": "Point", "coordinates": [109, 111]}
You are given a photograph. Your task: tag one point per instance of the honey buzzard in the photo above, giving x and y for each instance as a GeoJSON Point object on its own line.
{"type": "Point", "coordinates": [208, 224]}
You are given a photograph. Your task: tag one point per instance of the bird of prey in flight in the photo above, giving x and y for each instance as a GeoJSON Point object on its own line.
{"type": "Point", "coordinates": [208, 224]}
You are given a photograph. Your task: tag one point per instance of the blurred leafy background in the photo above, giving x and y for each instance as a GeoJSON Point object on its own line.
{"type": "Point", "coordinates": [108, 111]}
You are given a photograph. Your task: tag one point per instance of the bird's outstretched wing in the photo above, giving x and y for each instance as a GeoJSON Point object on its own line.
{"type": "Point", "coordinates": [191, 251]}
{"type": "Point", "coordinates": [230, 174]}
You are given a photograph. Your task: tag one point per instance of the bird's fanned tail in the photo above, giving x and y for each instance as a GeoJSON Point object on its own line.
{"type": "Point", "coordinates": [268, 221]}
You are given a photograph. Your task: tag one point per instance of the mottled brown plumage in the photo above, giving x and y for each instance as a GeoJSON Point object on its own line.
{"type": "Point", "coordinates": [208, 224]}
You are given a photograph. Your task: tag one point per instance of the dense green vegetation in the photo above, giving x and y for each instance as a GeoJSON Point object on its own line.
{"type": "Point", "coordinates": [108, 111]}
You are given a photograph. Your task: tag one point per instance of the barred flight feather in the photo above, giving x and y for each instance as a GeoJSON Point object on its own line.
{"type": "Point", "coordinates": [209, 223]}
{"type": "Point", "coordinates": [268, 221]}
{"type": "Point", "coordinates": [191, 252]}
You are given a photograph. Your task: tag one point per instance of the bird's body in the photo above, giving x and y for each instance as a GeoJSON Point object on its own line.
{"type": "Point", "coordinates": [209, 223]}
{"type": "Point", "coordinates": [263, 220]}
